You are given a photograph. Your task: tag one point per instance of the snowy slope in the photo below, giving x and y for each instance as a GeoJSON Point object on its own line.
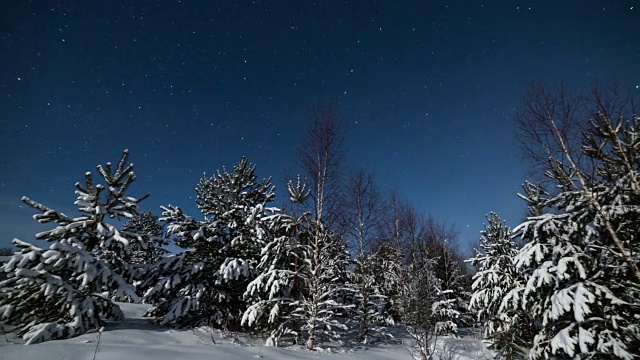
{"type": "Point", "coordinates": [137, 339]}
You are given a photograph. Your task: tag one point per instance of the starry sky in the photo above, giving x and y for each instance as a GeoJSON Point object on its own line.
{"type": "Point", "coordinates": [426, 91]}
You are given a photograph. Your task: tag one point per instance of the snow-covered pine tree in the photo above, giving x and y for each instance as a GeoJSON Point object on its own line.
{"type": "Point", "coordinates": [151, 245]}
{"type": "Point", "coordinates": [299, 293]}
{"type": "Point", "coordinates": [281, 284]}
{"type": "Point", "coordinates": [450, 309]}
{"type": "Point", "coordinates": [326, 308]}
{"type": "Point", "coordinates": [387, 267]}
{"type": "Point", "coordinates": [146, 242]}
{"type": "Point", "coordinates": [205, 284]}
{"type": "Point", "coordinates": [453, 295]}
{"type": "Point", "coordinates": [584, 288]}
{"type": "Point", "coordinates": [145, 233]}
{"type": "Point", "coordinates": [320, 157]}
{"type": "Point", "coordinates": [372, 305]}
{"type": "Point", "coordinates": [58, 292]}
{"type": "Point", "coordinates": [399, 231]}
{"type": "Point", "coordinates": [283, 274]}
{"type": "Point", "coordinates": [508, 328]}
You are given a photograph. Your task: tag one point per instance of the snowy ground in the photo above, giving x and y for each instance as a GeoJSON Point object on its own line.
{"type": "Point", "coordinates": [137, 339]}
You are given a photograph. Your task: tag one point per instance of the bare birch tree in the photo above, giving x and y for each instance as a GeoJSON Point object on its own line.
{"type": "Point", "coordinates": [364, 210]}
{"type": "Point", "coordinates": [320, 156]}
{"type": "Point", "coordinates": [536, 137]}
{"type": "Point", "coordinates": [363, 217]}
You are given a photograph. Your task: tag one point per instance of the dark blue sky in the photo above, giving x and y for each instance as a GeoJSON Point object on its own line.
{"type": "Point", "coordinates": [426, 89]}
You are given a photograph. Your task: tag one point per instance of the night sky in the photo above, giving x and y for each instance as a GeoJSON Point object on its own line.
{"type": "Point", "coordinates": [426, 90]}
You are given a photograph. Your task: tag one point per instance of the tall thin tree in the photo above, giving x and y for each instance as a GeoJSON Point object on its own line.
{"type": "Point", "coordinates": [320, 156]}
{"type": "Point", "coordinates": [363, 217]}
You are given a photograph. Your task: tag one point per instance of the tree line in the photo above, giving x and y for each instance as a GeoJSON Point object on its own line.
{"type": "Point", "coordinates": [340, 258]}
{"type": "Point", "coordinates": [344, 260]}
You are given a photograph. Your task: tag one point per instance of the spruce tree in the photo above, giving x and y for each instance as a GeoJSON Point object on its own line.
{"type": "Point", "coordinates": [507, 326]}
{"type": "Point", "coordinates": [282, 283]}
{"type": "Point", "coordinates": [454, 296]}
{"type": "Point", "coordinates": [387, 267]}
{"type": "Point", "coordinates": [582, 250]}
{"type": "Point", "coordinates": [329, 287]}
{"type": "Point", "coordinates": [299, 294]}
{"type": "Point", "coordinates": [146, 242]}
{"type": "Point", "coordinates": [438, 245]}
{"type": "Point", "coordinates": [206, 282]}
{"type": "Point", "coordinates": [372, 308]}
{"type": "Point", "coordinates": [62, 291]}
{"type": "Point", "coordinates": [150, 247]}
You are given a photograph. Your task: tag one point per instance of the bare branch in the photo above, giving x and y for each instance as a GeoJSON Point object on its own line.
{"type": "Point", "coordinates": [320, 156]}
{"type": "Point", "coordinates": [547, 122]}
{"type": "Point", "coordinates": [535, 134]}
{"type": "Point", "coordinates": [363, 210]}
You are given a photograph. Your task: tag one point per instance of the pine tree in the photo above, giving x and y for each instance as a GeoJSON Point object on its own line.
{"type": "Point", "coordinates": [146, 242]}
{"type": "Point", "coordinates": [507, 327]}
{"type": "Point", "coordinates": [150, 247]}
{"type": "Point", "coordinates": [437, 244]}
{"type": "Point", "coordinates": [387, 268]}
{"type": "Point", "coordinates": [299, 293]}
{"type": "Point", "coordinates": [329, 287]}
{"type": "Point", "coordinates": [583, 251]}
{"type": "Point", "coordinates": [372, 305]}
{"type": "Point", "coordinates": [454, 296]}
{"type": "Point", "coordinates": [283, 273]}
{"type": "Point", "coordinates": [205, 284]}
{"type": "Point", "coordinates": [59, 292]}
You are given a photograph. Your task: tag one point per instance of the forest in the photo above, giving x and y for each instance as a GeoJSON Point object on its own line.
{"type": "Point", "coordinates": [342, 260]}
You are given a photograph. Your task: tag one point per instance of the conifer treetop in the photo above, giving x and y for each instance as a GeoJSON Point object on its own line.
{"type": "Point", "coordinates": [94, 204]}
{"type": "Point", "coordinates": [238, 187]}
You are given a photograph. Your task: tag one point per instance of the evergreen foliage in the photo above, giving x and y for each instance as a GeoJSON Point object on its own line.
{"type": "Point", "coordinates": [507, 327]}
{"type": "Point", "coordinates": [243, 266]}
{"type": "Point", "coordinates": [146, 247]}
{"type": "Point", "coordinates": [387, 273]}
{"type": "Point", "coordinates": [581, 251]}
{"type": "Point", "coordinates": [62, 291]}
{"type": "Point", "coordinates": [206, 282]}
{"type": "Point", "coordinates": [300, 292]}
{"type": "Point", "coordinates": [275, 295]}
{"type": "Point", "coordinates": [362, 217]}
{"type": "Point", "coordinates": [372, 306]}
{"type": "Point", "coordinates": [150, 247]}
{"type": "Point", "coordinates": [452, 307]}
{"type": "Point", "coordinates": [329, 287]}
